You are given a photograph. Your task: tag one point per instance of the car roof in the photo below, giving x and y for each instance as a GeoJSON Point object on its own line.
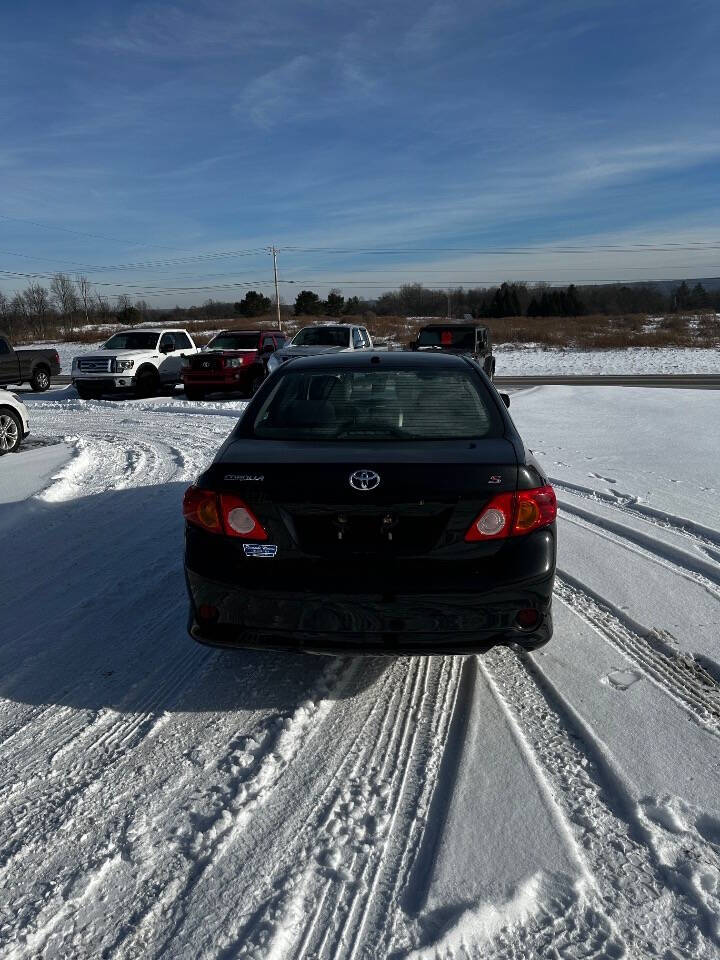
{"type": "Point", "coordinates": [346, 326]}
{"type": "Point", "coordinates": [452, 323]}
{"type": "Point", "coordinates": [257, 330]}
{"type": "Point", "coordinates": [377, 360]}
{"type": "Point", "coordinates": [151, 330]}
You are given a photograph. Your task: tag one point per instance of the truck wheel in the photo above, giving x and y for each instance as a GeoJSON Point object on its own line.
{"type": "Point", "coordinates": [255, 384]}
{"type": "Point", "coordinates": [10, 432]}
{"type": "Point", "coordinates": [147, 384]}
{"type": "Point", "coordinates": [194, 393]}
{"type": "Point", "coordinates": [40, 379]}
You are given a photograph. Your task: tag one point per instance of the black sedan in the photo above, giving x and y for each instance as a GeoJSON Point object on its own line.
{"type": "Point", "coordinates": [375, 503]}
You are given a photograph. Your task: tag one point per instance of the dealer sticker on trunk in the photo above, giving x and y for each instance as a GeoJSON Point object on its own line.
{"type": "Point", "coordinates": [260, 549]}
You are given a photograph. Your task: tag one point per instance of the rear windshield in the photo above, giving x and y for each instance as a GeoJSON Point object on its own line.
{"type": "Point", "coordinates": [462, 338]}
{"type": "Point", "coordinates": [234, 341]}
{"type": "Point", "coordinates": [377, 405]}
{"type": "Point", "coordinates": [133, 340]}
{"type": "Point", "coordinates": [322, 337]}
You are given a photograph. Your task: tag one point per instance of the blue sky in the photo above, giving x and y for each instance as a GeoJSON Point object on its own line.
{"type": "Point", "coordinates": [436, 133]}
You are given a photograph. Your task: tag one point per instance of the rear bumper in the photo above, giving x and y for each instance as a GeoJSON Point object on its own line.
{"type": "Point", "coordinates": [372, 623]}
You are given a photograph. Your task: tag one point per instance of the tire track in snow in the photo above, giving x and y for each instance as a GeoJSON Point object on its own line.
{"type": "Point", "coordinates": [164, 899]}
{"type": "Point", "coordinates": [677, 673]}
{"type": "Point", "coordinates": [377, 703]}
{"type": "Point", "coordinates": [348, 871]}
{"type": "Point", "coordinates": [705, 538]}
{"type": "Point", "coordinates": [340, 823]}
{"type": "Point", "coordinates": [649, 900]}
{"type": "Point", "coordinates": [699, 571]}
{"type": "Point", "coordinates": [94, 744]}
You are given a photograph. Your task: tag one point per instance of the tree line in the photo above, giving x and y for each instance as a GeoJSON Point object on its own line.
{"type": "Point", "coordinates": [542, 300]}
{"type": "Point", "coordinates": [69, 302]}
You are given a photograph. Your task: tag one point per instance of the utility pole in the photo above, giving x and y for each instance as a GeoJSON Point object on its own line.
{"type": "Point", "coordinates": [277, 294]}
{"type": "Point", "coordinates": [448, 296]}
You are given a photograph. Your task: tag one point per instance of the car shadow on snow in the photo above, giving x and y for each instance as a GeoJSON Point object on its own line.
{"type": "Point", "coordinates": [98, 613]}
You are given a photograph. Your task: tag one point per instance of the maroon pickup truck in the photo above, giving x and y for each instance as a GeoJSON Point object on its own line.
{"type": "Point", "coordinates": [35, 367]}
{"type": "Point", "coordinates": [234, 360]}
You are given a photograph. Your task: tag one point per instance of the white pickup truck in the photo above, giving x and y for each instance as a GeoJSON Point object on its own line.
{"type": "Point", "coordinates": [139, 361]}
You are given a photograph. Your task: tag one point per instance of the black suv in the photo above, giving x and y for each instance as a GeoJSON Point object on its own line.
{"type": "Point", "coordinates": [471, 339]}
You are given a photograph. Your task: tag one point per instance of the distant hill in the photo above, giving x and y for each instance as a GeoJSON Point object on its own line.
{"type": "Point", "coordinates": [667, 286]}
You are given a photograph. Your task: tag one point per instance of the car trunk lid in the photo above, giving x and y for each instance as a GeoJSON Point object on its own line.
{"type": "Point", "coordinates": [349, 498]}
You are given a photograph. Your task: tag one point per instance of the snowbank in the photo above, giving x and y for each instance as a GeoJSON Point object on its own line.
{"type": "Point", "coordinates": [533, 359]}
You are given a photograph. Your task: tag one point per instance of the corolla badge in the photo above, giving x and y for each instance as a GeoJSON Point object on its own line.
{"type": "Point", "coordinates": [364, 480]}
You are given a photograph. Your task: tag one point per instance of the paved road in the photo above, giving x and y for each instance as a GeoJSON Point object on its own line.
{"type": "Point", "coordinates": [698, 381]}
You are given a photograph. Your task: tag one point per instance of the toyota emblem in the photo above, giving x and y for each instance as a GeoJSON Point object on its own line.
{"type": "Point", "coordinates": [364, 480]}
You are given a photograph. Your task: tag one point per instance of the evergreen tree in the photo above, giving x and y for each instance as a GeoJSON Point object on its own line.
{"type": "Point", "coordinates": [681, 297]}
{"type": "Point", "coordinates": [352, 306]}
{"type": "Point", "coordinates": [698, 297]}
{"type": "Point", "coordinates": [253, 304]}
{"type": "Point", "coordinates": [334, 303]}
{"type": "Point", "coordinates": [308, 302]}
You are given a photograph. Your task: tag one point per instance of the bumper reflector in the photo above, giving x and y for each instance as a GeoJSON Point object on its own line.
{"type": "Point", "coordinates": [528, 618]}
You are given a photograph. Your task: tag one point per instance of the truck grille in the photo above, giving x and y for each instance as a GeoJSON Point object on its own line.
{"type": "Point", "coordinates": [206, 362]}
{"type": "Point", "coordinates": [92, 365]}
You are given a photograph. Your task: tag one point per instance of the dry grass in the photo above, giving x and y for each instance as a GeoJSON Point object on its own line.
{"type": "Point", "coordinates": [633, 330]}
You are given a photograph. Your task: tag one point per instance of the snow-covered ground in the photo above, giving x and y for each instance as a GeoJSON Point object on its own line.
{"type": "Point", "coordinates": [159, 799]}
{"type": "Point", "coordinates": [534, 360]}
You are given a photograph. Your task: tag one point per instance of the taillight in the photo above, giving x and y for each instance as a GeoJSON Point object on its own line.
{"type": "Point", "coordinates": [222, 513]}
{"type": "Point", "coordinates": [535, 508]}
{"type": "Point", "coordinates": [496, 519]}
{"type": "Point", "coordinates": [239, 520]}
{"type": "Point", "coordinates": [201, 508]}
{"type": "Point", "coordinates": [514, 514]}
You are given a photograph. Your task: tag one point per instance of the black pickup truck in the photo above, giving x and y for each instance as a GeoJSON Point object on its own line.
{"type": "Point", "coordinates": [35, 367]}
{"type": "Point", "coordinates": [455, 336]}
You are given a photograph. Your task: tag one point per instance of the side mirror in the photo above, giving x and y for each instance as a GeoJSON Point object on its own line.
{"type": "Point", "coordinates": [505, 397]}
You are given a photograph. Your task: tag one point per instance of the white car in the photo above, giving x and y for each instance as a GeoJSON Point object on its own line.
{"type": "Point", "coordinates": [14, 426]}
{"type": "Point", "coordinates": [138, 361]}
{"type": "Point", "coordinates": [322, 338]}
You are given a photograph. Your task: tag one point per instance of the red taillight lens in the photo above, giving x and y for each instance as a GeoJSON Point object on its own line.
{"type": "Point", "coordinates": [514, 514]}
{"type": "Point", "coordinates": [222, 513]}
{"type": "Point", "coordinates": [535, 508]}
{"type": "Point", "coordinates": [201, 508]}
{"type": "Point", "coordinates": [239, 520]}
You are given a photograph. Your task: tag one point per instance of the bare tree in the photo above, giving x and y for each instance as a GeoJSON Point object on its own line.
{"type": "Point", "coordinates": [5, 319]}
{"type": "Point", "coordinates": [123, 303]}
{"type": "Point", "coordinates": [102, 307]}
{"type": "Point", "coordinates": [37, 304]}
{"type": "Point", "coordinates": [62, 292]}
{"type": "Point", "coordinates": [85, 295]}
{"type": "Point", "coordinates": [17, 316]}
{"type": "Point", "coordinates": [142, 308]}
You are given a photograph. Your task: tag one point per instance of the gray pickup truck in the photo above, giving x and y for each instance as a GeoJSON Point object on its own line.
{"type": "Point", "coordinates": [35, 367]}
